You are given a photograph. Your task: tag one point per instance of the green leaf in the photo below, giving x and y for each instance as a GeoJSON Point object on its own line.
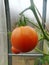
{"type": "Point", "coordinates": [36, 62]}
{"type": "Point", "coordinates": [42, 60]}
{"type": "Point", "coordinates": [48, 60]}
{"type": "Point", "coordinates": [9, 33]}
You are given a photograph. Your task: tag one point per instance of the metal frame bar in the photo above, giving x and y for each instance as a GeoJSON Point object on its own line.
{"type": "Point", "coordinates": [26, 55]}
{"type": "Point", "coordinates": [8, 22]}
{"type": "Point", "coordinates": [43, 21]}
{"type": "Point", "coordinates": [44, 12]}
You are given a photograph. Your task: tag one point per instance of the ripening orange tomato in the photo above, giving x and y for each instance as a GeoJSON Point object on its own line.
{"type": "Point", "coordinates": [24, 38]}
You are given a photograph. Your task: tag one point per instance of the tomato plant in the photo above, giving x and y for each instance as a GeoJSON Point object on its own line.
{"type": "Point", "coordinates": [25, 38]}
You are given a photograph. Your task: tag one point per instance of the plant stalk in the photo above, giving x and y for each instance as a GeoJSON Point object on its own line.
{"type": "Point", "coordinates": [24, 10]}
{"type": "Point", "coordinates": [38, 21]}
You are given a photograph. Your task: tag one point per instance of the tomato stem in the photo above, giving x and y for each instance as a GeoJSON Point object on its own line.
{"type": "Point", "coordinates": [41, 51]}
{"type": "Point", "coordinates": [41, 39]}
{"type": "Point", "coordinates": [32, 23]}
{"type": "Point", "coordinates": [24, 10]}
